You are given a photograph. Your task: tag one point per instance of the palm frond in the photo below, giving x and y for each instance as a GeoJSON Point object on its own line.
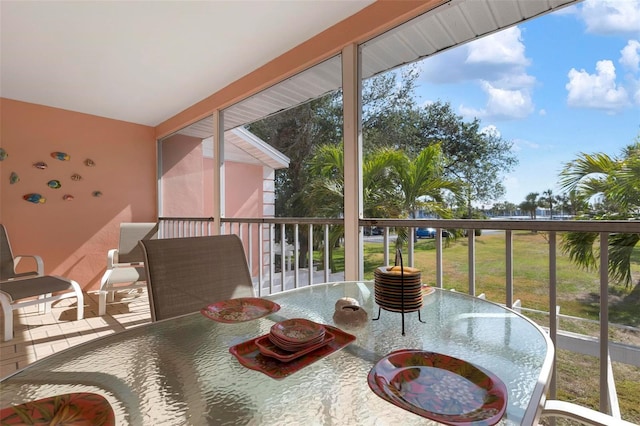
{"type": "Point", "coordinates": [579, 247]}
{"type": "Point", "coordinates": [621, 247]}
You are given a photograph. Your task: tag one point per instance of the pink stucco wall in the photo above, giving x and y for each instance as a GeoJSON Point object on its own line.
{"type": "Point", "coordinates": [73, 237]}
{"type": "Point", "coordinates": [243, 193]}
{"type": "Point", "coordinates": [187, 182]}
{"type": "Point", "coordinates": [183, 177]}
{"type": "Point", "coordinates": [187, 185]}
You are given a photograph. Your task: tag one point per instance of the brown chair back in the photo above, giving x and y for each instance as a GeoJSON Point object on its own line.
{"type": "Point", "coordinates": [186, 274]}
{"type": "Point", "coordinates": [8, 260]}
{"type": "Point", "coordinates": [6, 256]}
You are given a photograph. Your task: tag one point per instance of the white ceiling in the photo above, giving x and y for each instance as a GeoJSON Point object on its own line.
{"type": "Point", "coordinates": [145, 61]}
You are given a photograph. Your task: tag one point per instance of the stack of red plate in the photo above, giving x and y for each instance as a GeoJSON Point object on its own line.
{"type": "Point", "coordinates": [296, 334]}
{"type": "Point", "coordinates": [398, 289]}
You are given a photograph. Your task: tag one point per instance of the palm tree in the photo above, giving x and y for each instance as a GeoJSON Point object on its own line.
{"type": "Point", "coordinates": [421, 185]}
{"type": "Point", "coordinates": [547, 196]}
{"type": "Point", "coordinates": [530, 204]}
{"type": "Point", "coordinates": [393, 184]}
{"type": "Point", "coordinates": [612, 184]}
{"type": "Point", "coordinates": [325, 191]}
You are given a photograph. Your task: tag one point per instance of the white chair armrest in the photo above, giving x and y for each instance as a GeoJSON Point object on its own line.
{"type": "Point", "coordinates": [112, 258]}
{"type": "Point", "coordinates": [113, 261]}
{"type": "Point", "coordinates": [587, 416]}
{"type": "Point", "coordinates": [38, 260]}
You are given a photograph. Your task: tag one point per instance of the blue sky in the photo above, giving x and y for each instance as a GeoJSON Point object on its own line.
{"type": "Point", "coordinates": [556, 86]}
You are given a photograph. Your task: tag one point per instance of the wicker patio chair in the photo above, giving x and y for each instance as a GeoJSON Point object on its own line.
{"type": "Point", "coordinates": [186, 274]}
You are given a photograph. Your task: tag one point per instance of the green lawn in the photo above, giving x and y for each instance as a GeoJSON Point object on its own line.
{"type": "Point", "coordinates": [578, 289]}
{"type": "Point", "coordinates": [577, 295]}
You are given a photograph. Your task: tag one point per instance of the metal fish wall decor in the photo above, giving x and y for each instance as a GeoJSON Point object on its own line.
{"type": "Point", "coordinates": [55, 184]}
{"type": "Point", "coordinates": [62, 156]}
{"type": "Point", "coordinates": [35, 198]}
{"type": "Point", "coordinates": [40, 165]}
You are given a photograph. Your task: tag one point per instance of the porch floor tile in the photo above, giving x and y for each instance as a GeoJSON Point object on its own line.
{"type": "Point", "coordinates": [37, 335]}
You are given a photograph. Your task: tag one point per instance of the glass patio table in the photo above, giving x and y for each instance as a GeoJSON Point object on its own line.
{"type": "Point", "coordinates": [180, 371]}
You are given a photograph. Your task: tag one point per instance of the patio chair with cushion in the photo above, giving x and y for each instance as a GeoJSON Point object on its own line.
{"type": "Point", "coordinates": [186, 274]}
{"type": "Point", "coordinates": [8, 261]}
{"type": "Point", "coordinates": [20, 293]}
{"type": "Point", "coordinates": [18, 290]}
{"type": "Point", "coordinates": [125, 269]}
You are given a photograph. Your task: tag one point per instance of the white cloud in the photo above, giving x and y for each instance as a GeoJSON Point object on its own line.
{"type": "Point", "coordinates": [597, 90]}
{"type": "Point", "coordinates": [498, 64]}
{"type": "Point", "coordinates": [504, 47]}
{"type": "Point", "coordinates": [612, 16]}
{"type": "Point", "coordinates": [491, 130]}
{"type": "Point", "coordinates": [630, 55]}
{"type": "Point", "coordinates": [496, 58]}
{"type": "Point", "coordinates": [502, 104]}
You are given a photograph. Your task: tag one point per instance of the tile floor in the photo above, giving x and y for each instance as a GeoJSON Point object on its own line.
{"type": "Point", "coordinates": [38, 335]}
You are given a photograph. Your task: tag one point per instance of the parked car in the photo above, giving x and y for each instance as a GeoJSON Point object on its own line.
{"type": "Point", "coordinates": [429, 233]}
{"type": "Point", "coordinates": [425, 233]}
{"type": "Point", "coordinates": [373, 230]}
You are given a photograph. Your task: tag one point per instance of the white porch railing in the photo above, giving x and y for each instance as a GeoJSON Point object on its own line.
{"type": "Point", "coordinates": [272, 274]}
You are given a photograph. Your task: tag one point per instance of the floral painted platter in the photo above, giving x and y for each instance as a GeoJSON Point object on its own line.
{"type": "Point", "coordinates": [439, 387]}
{"type": "Point", "coordinates": [297, 330]}
{"type": "Point", "coordinates": [269, 348]}
{"type": "Point", "coordinates": [240, 309]}
{"type": "Point", "coordinates": [250, 356]}
{"type": "Point", "coordinates": [72, 408]}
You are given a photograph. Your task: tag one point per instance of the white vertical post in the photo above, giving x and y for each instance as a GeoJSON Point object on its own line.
{"type": "Point", "coordinates": [218, 170]}
{"type": "Point", "coordinates": [326, 260]}
{"type": "Point", "coordinates": [159, 172]}
{"type": "Point", "coordinates": [439, 271]}
{"type": "Point", "coordinates": [261, 257]}
{"type": "Point", "coordinates": [604, 322]}
{"type": "Point", "coordinates": [271, 257]}
{"type": "Point", "coordinates": [311, 269]}
{"type": "Point", "coordinates": [553, 313]}
{"type": "Point", "coordinates": [385, 245]}
{"type": "Point", "coordinates": [508, 239]}
{"type": "Point", "coordinates": [283, 253]}
{"type": "Point", "coordinates": [472, 262]}
{"type": "Point", "coordinates": [411, 246]}
{"type": "Point", "coordinates": [296, 255]}
{"type": "Point", "coordinates": [352, 112]}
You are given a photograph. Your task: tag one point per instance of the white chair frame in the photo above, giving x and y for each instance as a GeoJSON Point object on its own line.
{"type": "Point", "coordinates": [125, 265]}
{"type": "Point", "coordinates": [11, 303]}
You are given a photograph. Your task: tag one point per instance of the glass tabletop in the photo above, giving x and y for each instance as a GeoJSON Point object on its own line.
{"type": "Point", "coordinates": [180, 371]}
